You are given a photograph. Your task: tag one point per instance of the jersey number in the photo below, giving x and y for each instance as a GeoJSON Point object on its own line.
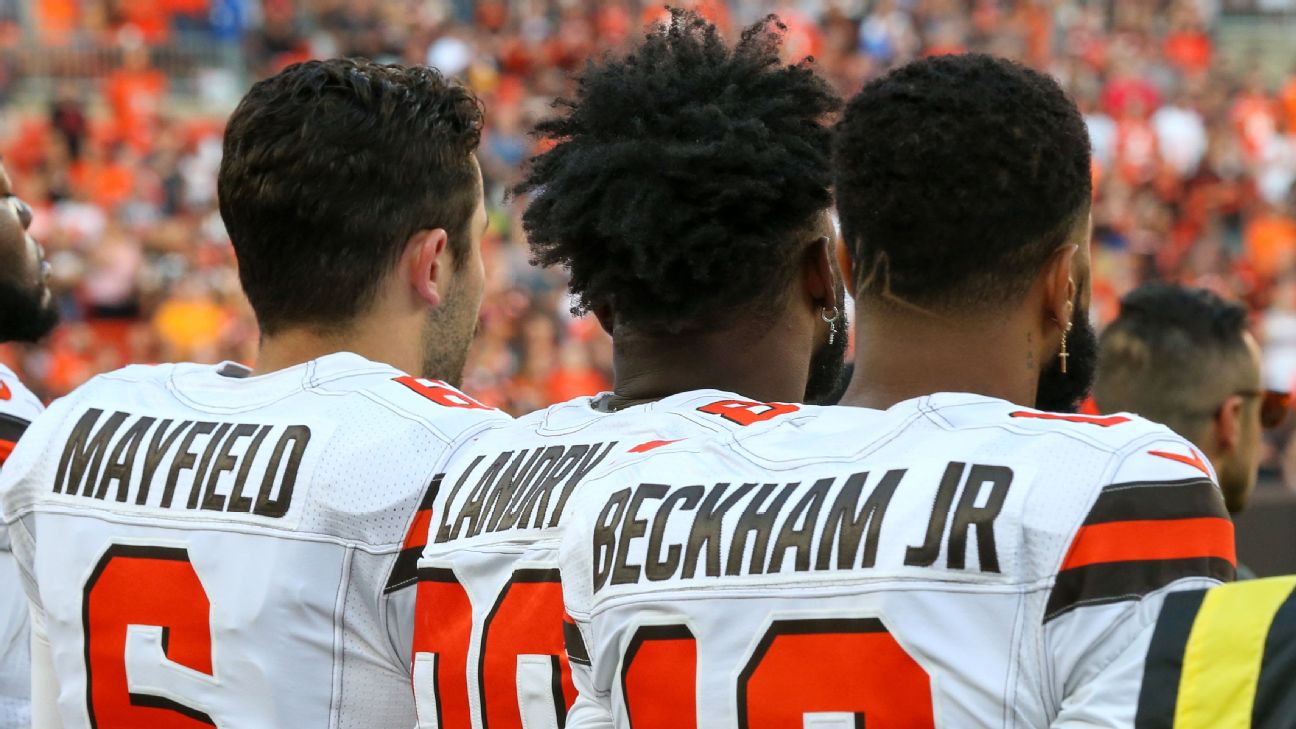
{"type": "Point", "coordinates": [851, 670]}
{"type": "Point", "coordinates": [143, 606]}
{"type": "Point", "coordinates": [521, 647]}
{"type": "Point", "coordinates": [748, 412]}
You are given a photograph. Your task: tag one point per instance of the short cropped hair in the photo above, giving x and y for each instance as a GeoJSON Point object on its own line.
{"type": "Point", "coordinates": [957, 177]}
{"type": "Point", "coordinates": [329, 168]}
{"type": "Point", "coordinates": [682, 174]}
{"type": "Point", "coordinates": [1172, 355]}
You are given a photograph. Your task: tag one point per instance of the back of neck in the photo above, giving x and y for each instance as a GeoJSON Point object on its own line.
{"type": "Point", "coordinates": [761, 364]}
{"type": "Point", "coordinates": [297, 345]}
{"type": "Point", "coordinates": [903, 355]}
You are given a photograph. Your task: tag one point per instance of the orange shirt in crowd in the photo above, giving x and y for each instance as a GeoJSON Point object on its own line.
{"type": "Point", "coordinates": [187, 325]}
{"type": "Point", "coordinates": [1270, 241]}
{"type": "Point", "coordinates": [56, 19]}
{"type": "Point", "coordinates": [565, 383]}
{"type": "Point", "coordinates": [108, 185]}
{"type": "Point", "coordinates": [1189, 50]}
{"type": "Point", "coordinates": [150, 17]}
{"type": "Point", "coordinates": [1255, 121]}
{"type": "Point", "coordinates": [136, 99]}
{"type": "Point", "coordinates": [187, 7]}
{"type": "Point", "coordinates": [1287, 100]}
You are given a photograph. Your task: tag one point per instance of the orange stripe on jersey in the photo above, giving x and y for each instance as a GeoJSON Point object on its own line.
{"type": "Point", "coordinates": [1131, 541]}
{"type": "Point", "coordinates": [1195, 460]}
{"type": "Point", "coordinates": [405, 571]}
{"type": "Point", "coordinates": [6, 448]}
{"type": "Point", "coordinates": [645, 447]}
{"type": "Point", "coordinates": [1105, 422]}
{"type": "Point", "coordinates": [418, 531]}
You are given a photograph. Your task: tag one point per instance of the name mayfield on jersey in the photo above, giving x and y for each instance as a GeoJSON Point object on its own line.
{"type": "Point", "coordinates": [204, 547]}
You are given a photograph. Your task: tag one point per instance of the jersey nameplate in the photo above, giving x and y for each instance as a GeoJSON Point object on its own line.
{"type": "Point", "coordinates": [517, 489]}
{"type": "Point", "coordinates": [657, 532]}
{"type": "Point", "coordinates": [171, 463]}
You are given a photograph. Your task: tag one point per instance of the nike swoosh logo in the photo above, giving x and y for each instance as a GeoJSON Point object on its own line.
{"type": "Point", "coordinates": [1195, 460]}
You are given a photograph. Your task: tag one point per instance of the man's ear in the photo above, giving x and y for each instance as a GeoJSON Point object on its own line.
{"type": "Point", "coordinates": [1228, 426]}
{"type": "Point", "coordinates": [820, 284]}
{"type": "Point", "coordinates": [846, 265]}
{"type": "Point", "coordinates": [423, 264]}
{"type": "Point", "coordinates": [1060, 286]}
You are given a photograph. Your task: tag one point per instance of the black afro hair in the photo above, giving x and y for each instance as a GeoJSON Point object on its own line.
{"type": "Point", "coordinates": [685, 177]}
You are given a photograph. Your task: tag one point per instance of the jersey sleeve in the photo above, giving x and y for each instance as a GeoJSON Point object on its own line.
{"type": "Point", "coordinates": [18, 407]}
{"type": "Point", "coordinates": [44, 680]}
{"type": "Point", "coordinates": [11, 429]}
{"type": "Point", "coordinates": [17, 493]}
{"type": "Point", "coordinates": [400, 591]}
{"type": "Point", "coordinates": [1158, 527]}
{"type": "Point", "coordinates": [593, 706]}
{"type": "Point", "coordinates": [1235, 641]}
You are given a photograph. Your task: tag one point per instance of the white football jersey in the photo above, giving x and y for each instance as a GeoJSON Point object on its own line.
{"type": "Point", "coordinates": [954, 561]}
{"type": "Point", "coordinates": [18, 407]}
{"type": "Point", "coordinates": [490, 629]}
{"type": "Point", "coordinates": [203, 547]}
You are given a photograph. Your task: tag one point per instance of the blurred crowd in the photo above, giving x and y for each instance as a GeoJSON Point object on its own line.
{"type": "Point", "coordinates": [1194, 155]}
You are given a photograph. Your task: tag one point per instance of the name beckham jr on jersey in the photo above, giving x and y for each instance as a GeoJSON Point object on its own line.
{"type": "Point", "coordinates": [832, 525]}
{"type": "Point", "coordinates": [100, 457]}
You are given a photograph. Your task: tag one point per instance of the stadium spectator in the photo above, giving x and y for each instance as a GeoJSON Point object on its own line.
{"type": "Point", "coordinates": [1183, 357]}
{"type": "Point", "coordinates": [1194, 149]}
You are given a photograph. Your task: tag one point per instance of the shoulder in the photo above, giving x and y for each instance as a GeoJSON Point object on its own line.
{"type": "Point", "coordinates": [417, 404]}
{"type": "Point", "coordinates": [16, 401]}
{"type": "Point", "coordinates": [1110, 433]}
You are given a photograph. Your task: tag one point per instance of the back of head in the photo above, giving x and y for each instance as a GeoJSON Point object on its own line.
{"type": "Point", "coordinates": [329, 168]}
{"type": "Point", "coordinates": [957, 177]}
{"type": "Point", "coordinates": [685, 177]}
{"type": "Point", "coordinates": [1172, 356]}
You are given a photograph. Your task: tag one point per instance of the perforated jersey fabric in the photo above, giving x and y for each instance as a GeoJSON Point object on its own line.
{"type": "Point", "coordinates": [955, 561]}
{"type": "Point", "coordinates": [242, 537]}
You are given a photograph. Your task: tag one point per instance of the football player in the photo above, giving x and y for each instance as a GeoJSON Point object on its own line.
{"type": "Point", "coordinates": [938, 552]}
{"type": "Point", "coordinates": [687, 194]}
{"type": "Point", "coordinates": [213, 545]}
{"type": "Point", "coordinates": [27, 314]}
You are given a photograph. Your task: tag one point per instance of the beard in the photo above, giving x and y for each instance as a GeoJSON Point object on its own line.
{"type": "Point", "coordinates": [447, 337]}
{"type": "Point", "coordinates": [1063, 393]}
{"type": "Point", "coordinates": [25, 315]}
{"type": "Point", "coordinates": [827, 379]}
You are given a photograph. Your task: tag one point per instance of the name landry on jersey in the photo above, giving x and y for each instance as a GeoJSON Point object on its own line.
{"type": "Point", "coordinates": [517, 489]}
{"type": "Point", "coordinates": [834, 524]}
{"type": "Point", "coordinates": [228, 467]}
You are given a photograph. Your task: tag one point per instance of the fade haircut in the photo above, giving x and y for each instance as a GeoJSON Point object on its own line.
{"type": "Point", "coordinates": [682, 175]}
{"type": "Point", "coordinates": [1172, 356]}
{"type": "Point", "coordinates": [957, 177]}
{"type": "Point", "coordinates": [329, 168]}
